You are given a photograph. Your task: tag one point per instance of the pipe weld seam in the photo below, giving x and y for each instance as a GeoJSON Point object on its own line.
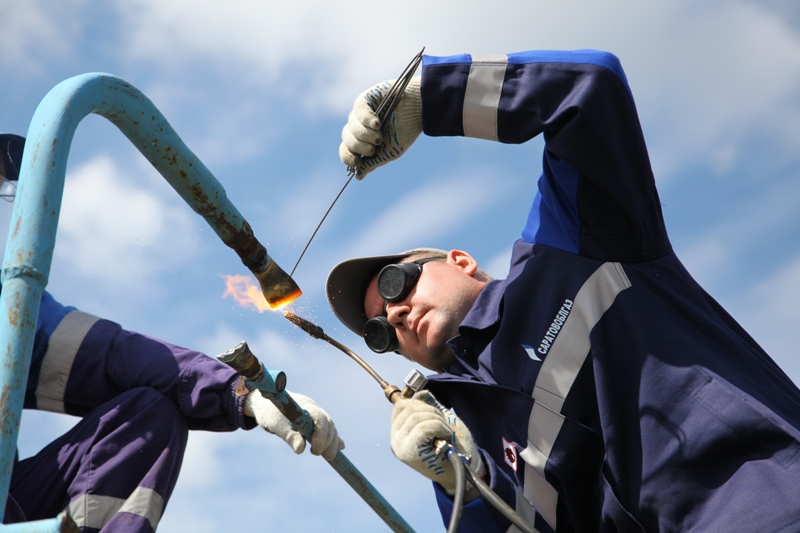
{"type": "Point", "coordinates": [30, 272]}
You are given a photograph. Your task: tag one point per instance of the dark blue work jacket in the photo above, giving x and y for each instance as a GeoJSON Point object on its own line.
{"type": "Point", "coordinates": [607, 390]}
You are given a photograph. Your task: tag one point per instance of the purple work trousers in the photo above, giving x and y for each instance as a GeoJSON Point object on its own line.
{"type": "Point", "coordinates": [114, 471]}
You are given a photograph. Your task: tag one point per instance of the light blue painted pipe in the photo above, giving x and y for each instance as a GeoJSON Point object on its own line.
{"type": "Point", "coordinates": [29, 252]}
{"type": "Point", "coordinates": [61, 524]}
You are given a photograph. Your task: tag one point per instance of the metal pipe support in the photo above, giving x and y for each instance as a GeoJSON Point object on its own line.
{"type": "Point", "coordinates": [29, 252]}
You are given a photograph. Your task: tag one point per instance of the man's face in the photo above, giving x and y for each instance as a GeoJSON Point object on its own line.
{"type": "Point", "coordinates": [431, 313]}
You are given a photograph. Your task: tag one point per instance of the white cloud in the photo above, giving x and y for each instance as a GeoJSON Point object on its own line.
{"type": "Point", "coordinates": [312, 197]}
{"type": "Point", "coordinates": [38, 428]}
{"type": "Point", "coordinates": [111, 230]}
{"type": "Point", "coordinates": [714, 254]}
{"type": "Point", "coordinates": [35, 34]}
{"type": "Point", "coordinates": [770, 311]}
{"type": "Point", "coordinates": [424, 215]}
{"type": "Point", "coordinates": [706, 78]}
{"type": "Point", "coordinates": [278, 347]}
{"type": "Point", "coordinates": [497, 266]}
{"type": "Point", "coordinates": [731, 69]}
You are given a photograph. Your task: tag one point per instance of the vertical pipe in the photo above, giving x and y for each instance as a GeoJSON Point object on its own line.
{"type": "Point", "coordinates": [29, 252]}
{"type": "Point", "coordinates": [60, 524]}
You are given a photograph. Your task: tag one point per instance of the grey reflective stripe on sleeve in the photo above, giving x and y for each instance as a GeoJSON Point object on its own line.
{"type": "Point", "coordinates": [558, 373]}
{"type": "Point", "coordinates": [525, 510]}
{"type": "Point", "coordinates": [482, 96]}
{"type": "Point", "coordinates": [62, 347]}
{"type": "Point", "coordinates": [95, 511]}
{"type": "Point", "coordinates": [543, 429]}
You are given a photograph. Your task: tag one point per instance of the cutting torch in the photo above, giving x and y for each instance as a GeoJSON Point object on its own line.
{"type": "Point", "coordinates": [414, 382]}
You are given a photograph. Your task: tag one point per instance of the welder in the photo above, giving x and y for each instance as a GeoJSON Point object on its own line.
{"type": "Point", "coordinates": [137, 398]}
{"type": "Point", "coordinates": [598, 387]}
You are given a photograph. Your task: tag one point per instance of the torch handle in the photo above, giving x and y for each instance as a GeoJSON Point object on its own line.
{"type": "Point", "coordinates": [272, 386]}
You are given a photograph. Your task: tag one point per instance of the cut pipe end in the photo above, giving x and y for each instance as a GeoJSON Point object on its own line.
{"type": "Point", "coordinates": [276, 302]}
{"type": "Point", "coordinates": [277, 286]}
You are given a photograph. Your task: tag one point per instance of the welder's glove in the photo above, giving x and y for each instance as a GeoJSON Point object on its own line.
{"type": "Point", "coordinates": [325, 440]}
{"type": "Point", "coordinates": [416, 423]}
{"type": "Point", "coordinates": [362, 135]}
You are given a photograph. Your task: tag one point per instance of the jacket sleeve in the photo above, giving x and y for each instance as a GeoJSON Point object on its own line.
{"type": "Point", "coordinates": [80, 361]}
{"type": "Point", "coordinates": [597, 194]}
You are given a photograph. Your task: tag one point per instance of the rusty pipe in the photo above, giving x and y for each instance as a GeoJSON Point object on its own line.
{"type": "Point", "coordinates": [29, 252]}
{"type": "Point", "coordinates": [277, 286]}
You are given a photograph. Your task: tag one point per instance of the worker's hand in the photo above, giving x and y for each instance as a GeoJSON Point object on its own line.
{"type": "Point", "coordinates": [325, 440]}
{"type": "Point", "coordinates": [363, 146]}
{"type": "Point", "coordinates": [420, 420]}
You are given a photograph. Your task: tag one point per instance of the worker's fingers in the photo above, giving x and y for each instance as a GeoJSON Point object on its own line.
{"type": "Point", "coordinates": [364, 120]}
{"type": "Point", "coordinates": [295, 441]}
{"type": "Point", "coordinates": [325, 440]}
{"type": "Point", "coordinates": [416, 423]}
{"type": "Point", "coordinates": [362, 133]}
{"type": "Point", "coordinates": [359, 139]}
{"type": "Point", "coordinates": [419, 428]}
{"type": "Point", "coordinates": [348, 158]}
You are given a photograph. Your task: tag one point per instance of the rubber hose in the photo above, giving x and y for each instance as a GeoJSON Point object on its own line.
{"type": "Point", "coordinates": [498, 503]}
{"type": "Point", "coordinates": [461, 488]}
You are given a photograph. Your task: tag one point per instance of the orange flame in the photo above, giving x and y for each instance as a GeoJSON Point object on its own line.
{"type": "Point", "coordinates": [245, 292]}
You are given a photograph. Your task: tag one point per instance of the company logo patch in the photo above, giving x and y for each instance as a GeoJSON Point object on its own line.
{"type": "Point", "coordinates": [510, 454]}
{"type": "Point", "coordinates": [531, 351]}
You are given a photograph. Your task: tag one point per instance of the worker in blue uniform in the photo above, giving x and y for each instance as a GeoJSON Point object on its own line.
{"type": "Point", "coordinates": [601, 387]}
{"type": "Point", "coordinates": [137, 397]}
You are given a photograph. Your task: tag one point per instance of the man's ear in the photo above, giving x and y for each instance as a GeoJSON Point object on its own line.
{"type": "Point", "coordinates": [464, 261]}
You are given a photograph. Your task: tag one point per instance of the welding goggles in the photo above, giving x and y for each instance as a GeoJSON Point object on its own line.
{"type": "Point", "coordinates": [394, 284]}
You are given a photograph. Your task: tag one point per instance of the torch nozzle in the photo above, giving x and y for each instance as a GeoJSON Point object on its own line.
{"type": "Point", "coordinates": [241, 359]}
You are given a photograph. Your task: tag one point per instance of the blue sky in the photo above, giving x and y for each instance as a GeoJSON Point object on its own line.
{"type": "Point", "coordinates": [260, 93]}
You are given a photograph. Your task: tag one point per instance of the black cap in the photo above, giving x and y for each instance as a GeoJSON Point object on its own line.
{"type": "Point", "coordinates": [11, 147]}
{"type": "Point", "coordinates": [348, 281]}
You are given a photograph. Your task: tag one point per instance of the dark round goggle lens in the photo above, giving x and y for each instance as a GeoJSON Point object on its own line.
{"type": "Point", "coordinates": [380, 335]}
{"type": "Point", "coordinates": [396, 281]}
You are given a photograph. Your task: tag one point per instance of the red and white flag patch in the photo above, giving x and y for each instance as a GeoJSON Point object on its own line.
{"type": "Point", "coordinates": [510, 454]}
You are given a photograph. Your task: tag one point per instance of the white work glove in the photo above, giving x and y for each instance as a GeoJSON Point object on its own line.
{"type": "Point", "coordinates": [416, 422]}
{"type": "Point", "coordinates": [362, 134]}
{"type": "Point", "coordinates": [325, 440]}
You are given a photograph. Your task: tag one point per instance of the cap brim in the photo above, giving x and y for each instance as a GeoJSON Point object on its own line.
{"type": "Point", "coordinates": [347, 285]}
{"type": "Point", "coordinates": [348, 281]}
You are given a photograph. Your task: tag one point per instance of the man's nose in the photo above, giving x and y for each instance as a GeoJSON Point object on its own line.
{"type": "Point", "coordinates": [396, 313]}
